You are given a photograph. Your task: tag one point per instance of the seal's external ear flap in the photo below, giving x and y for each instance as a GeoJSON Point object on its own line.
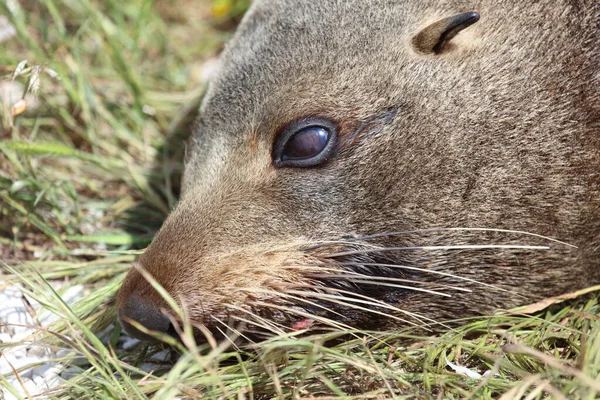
{"type": "Point", "coordinates": [433, 38]}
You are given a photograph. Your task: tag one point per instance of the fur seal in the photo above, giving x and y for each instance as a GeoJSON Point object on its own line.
{"type": "Point", "coordinates": [385, 163]}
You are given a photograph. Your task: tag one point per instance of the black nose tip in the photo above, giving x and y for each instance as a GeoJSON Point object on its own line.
{"type": "Point", "coordinates": [147, 315]}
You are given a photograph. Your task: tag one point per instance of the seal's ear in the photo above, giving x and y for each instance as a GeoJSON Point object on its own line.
{"type": "Point", "coordinates": [433, 38]}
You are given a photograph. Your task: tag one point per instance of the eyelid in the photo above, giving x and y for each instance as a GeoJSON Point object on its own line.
{"type": "Point", "coordinates": [294, 127]}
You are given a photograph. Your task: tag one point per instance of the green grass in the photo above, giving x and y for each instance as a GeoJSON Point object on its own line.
{"type": "Point", "coordinates": [87, 176]}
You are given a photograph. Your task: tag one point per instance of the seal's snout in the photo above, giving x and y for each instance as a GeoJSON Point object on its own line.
{"type": "Point", "coordinates": [138, 301]}
{"type": "Point", "coordinates": [146, 314]}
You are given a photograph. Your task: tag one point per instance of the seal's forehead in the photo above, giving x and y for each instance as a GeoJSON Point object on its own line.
{"type": "Point", "coordinates": [288, 54]}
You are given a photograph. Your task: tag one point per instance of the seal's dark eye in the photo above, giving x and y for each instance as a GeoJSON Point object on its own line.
{"type": "Point", "coordinates": [304, 143]}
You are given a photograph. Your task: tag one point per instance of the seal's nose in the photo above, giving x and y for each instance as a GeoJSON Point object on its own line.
{"type": "Point", "coordinates": [145, 313]}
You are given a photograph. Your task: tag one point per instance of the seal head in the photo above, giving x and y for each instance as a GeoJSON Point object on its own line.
{"type": "Point", "coordinates": [381, 164]}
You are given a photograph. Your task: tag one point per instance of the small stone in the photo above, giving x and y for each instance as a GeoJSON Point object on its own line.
{"type": "Point", "coordinates": [15, 318]}
{"type": "Point", "coordinates": [52, 372]}
{"type": "Point", "coordinates": [53, 381]}
{"type": "Point", "coordinates": [7, 30]}
{"type": "Point", "coordinates": [76, 361]}
{"type": "Point", "coordinates": [18, 351]}
{"type": "Point", "coordinates": [5, 337]}
{"type": "Point", "coordinates": [41, 370]}
{"type": "Point", "coordinates": [106, 334]}
{"type": "Point", "coordinates": [149, 367]}
{"type": "Point", "coordinates": [162, 355]}
{"type": "Point", "coordinates": [37, 351]}
{"type": "Point", "coordinates": [70, 372]}
{"type": "Point", "coordinates": [6, 361]}
{"type": "Point", "coordinates": [39, 381]}
{"type": "Point", "coordinates": [64, 353]}
{"type": "Point", "coordinates": [28, 373]}
{"type": "Point", "coordinates": [7, 395]}
{"type": "Point", "coordinates": [130, 343]}
{"type": "Point", "coordinates": [73, 294]}
{"type": "Point", "coordinates": [31, 387]}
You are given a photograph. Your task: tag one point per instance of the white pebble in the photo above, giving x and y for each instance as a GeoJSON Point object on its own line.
{"type": "Point", "coordinates": [52, 381]}
{"type": "Point", "coordinates": [7, 30]}
{"type": "Point", "coordinates": [5, 337]}
{"type": "Point", "coordinates": [52, 372]}
{"type": "Point", "coordinates": [18, 351]}
{"type": "Point", "coordinates": [73, 294]}
{"type": "Point", "coordinates": [16, 317]}
{"type": "Point", "coordinates": [8, 362]}
{"type": "Point", "coordinates": [39, 371]}
{"type": "Point", "coordinates": [8, 395]}
{"type": "Point", "coordinates": [30, 386]}
{"type": "Point", "coordinates": [39, 381]}
{"type": "Point", "coordinates": [36, 351]}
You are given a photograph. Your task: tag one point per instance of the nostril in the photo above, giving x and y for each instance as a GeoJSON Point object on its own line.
{"type": "Point", "coordinates": [147, 315]}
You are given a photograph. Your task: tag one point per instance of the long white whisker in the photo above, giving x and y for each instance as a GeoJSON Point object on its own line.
{"type": "Point", "coordinates": [423, 320]}
{"type": "Point", "coordinates": [433, 248]}
{"type": "Point", "coordinates": [264, 323]}
{"type": "Point", "coordinates": [232, 329]}
{"type": "Point", "coordinates": [286, 295]}
{"type": "Point", "coordinates": [338, 300]}
{"type": "Point", "coordinates": [370, 300]}
{"type": "Point", "coordinates": [426, 230]}
{"type": "Point", "coordinates": [253, 323]}
{"type": "Point", "coordinates": [350, 277]}
{"type": "Point", "coordinates": [407, 267]}
{"type": "Point", "coordinates": [326, 321]}
{"type": "Point", "coordinates": [369, 282]}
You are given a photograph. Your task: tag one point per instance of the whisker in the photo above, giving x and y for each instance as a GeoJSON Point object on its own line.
{"type": "Point", "coordinates": [326, 321]}
{"type": "Point", "coordinates": [367, 299]}
{"type": "Point", "coordinates": [322, 269]}
{"type": "Point", "coordinates": [235, 331]}
{"type": "Point", "coordinates": [285, 295]}
{"type": "Point", "coordinates": [407, 267]}
{"type": "Point", "coordinates": [250, 325]}
{"type": "Point", "coordinates": [264, 323]}
{"type": "Point", "coordinates": [426, 230]}
{"type": "Point", "coordinates": [350, 277]}
{"type": "Point", "coordinates": [433, 248]}
{"type": "Point", "coordinates": [414, 289]}
{"type": "Point", "coordinates": [459, 229]}
{"type": "Point", "coordinates": [339, 300]}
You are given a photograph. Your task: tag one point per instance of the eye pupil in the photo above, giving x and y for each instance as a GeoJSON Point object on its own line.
{"type": "Point", "coordinates": [306, 143]}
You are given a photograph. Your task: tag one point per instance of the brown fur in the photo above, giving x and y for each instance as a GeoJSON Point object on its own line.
{"type": "Point", "coordinates": [500, 130]}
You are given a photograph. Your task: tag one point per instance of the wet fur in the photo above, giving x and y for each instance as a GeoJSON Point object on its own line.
{"type": "Point", "coordinates": [501, 131]}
